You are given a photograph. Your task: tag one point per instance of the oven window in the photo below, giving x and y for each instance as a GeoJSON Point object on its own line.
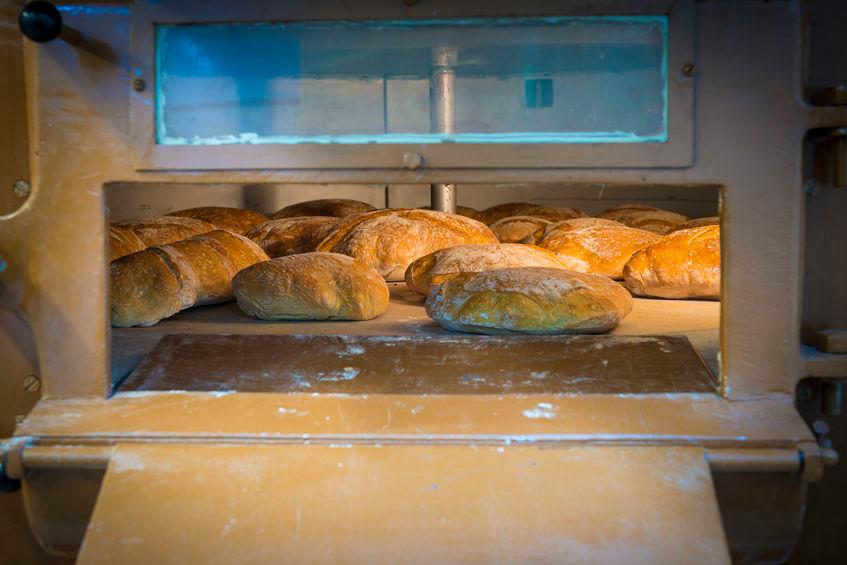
{"type": "Point", "coordinates": [481, 80]}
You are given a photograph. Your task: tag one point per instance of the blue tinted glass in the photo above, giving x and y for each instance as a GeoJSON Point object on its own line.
{"type": "Point", "coordinates": [533, 80]}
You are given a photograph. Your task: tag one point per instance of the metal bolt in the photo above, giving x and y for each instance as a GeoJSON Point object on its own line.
{"type": "Point", "coordinates": [32, 383]}
{"type": "Point", "coordinates": [688, 69]}
{"type": "Point", "coordinates": [412, 161]}
{"type": "Point", "coordinates": [21, 188]}
{"type": "Point", "coordinates": [138, 84]}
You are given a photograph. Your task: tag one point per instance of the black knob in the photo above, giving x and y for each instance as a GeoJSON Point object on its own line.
{"type": "Point", "coordinates": [40, 21]}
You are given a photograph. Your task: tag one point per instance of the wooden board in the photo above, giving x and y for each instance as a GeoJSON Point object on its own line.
{"type": "Point", "coordinates": [189, 503]}
{"type": "Point", "coordinates": [454, 364]}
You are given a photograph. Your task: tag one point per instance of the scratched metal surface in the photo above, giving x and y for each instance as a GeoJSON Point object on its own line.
{"type": "Point", "coordinates": [455, 364]}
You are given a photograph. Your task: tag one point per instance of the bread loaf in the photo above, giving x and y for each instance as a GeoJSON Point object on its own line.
{"type": "Point", "coordinates": [290, 236]}
{"type": "Point", "coordinates": [159, 230]}
{"type": "Point", "coordinates": [644, 217]}
{"type": "Point", "coordinates": [311, 286]}
{"type": "Point", "coordinates": [516, 228]}
{"type": "Point", "coordinates": [336, 207]}
{"type": "Point", "coordinates": [683, 264]}
{"type": "Point", "coordinates": [158, 282]}
{"type": "Point", "coordinates": [534, 300]}
{"type": "Point", "coordinates": [435, 267]}
{"type": "Point", "coordinates": [699, 223]}
{"type": "Point", "coordinates": [555, 214]}
{"type": "Point", "coordinates": [494, 213]}
{"type": "Point", "coordinates": [389, 240]}
{"type": "Point", "coordinates": [465, 211]}
{"type": "Point", "coordinates": [235, 220]}
{"type": "Point", "coordinates": [600, 250]}
{"type": "Point", "coordinates": [123, 241]}
{"type": "Point", "coordinates": [571, 224]}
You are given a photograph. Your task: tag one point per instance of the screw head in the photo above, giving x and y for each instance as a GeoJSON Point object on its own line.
{"type": "Point", "coordinates": [32, 383]}
{"type": "Point", "coordinates": [21, 188]}
{"type": "Point", "coordinates": [688, 69]}
{"type": "Point", "coordinates": [138, 84]}
{"type": "Point", "coordinates": [412, 161]}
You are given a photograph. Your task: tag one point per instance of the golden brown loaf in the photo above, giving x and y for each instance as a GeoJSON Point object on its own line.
{"type": "Point", "coordinates": [465, 211]}
{"type": "Point", "coordinates": [311, 286]}
{"type": "Point", "coordinates": [158, 230]}
{"type": "Point", "coordinates": [516, 228]}
{"type": "Point", "coordinates": [535, 300]}
{"type": "Point", "coordinates": [555, 214]}
{"type": "Point", "coordinates": [643, 217]}
{"type": "Point", "coordinates": [231, 219]}
{"type": "Point", "coordinates": [389, 240]}
{"type": "Point", "coordinates": [571, 224]}
{"type": "Point", "coordinates": [158, 282]}
{"type": "Point", "coordinates": [600, 250]}
{"type": "Point", "coordinates": [683, 264]}
{"type": "Point", "coordinates": [505, 210]}
{"type": "Point", "coordinates": [123, 241]}
{"type": "Point", "coordinates": [439, 265]}
{"type": "Point", "coordinates": [699, 223]}
{"type": "Point", "coordinates": [290, 236]}
{"type": "Point", "coordinates": [336, 207]}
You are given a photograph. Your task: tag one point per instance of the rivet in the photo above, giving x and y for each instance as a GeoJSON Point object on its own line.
{"type": "Point", "coordinates": [32, 383]}
{"type": "Point", "coordinates": [688, 69]}
{"type": "Point", "coordinates": [21, 188]}
{"type": "Point", "coordinates": [412, 161]}
{"type": "Point", "coordinates": [138, 84]}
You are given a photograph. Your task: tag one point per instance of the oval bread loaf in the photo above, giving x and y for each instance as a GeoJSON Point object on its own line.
{"type": "Point", "coordinates": [643, 217]}
{"type": "Point", "coordinates": [389, 240]}
{"type": "Point", "coordinates": [600, 250]}
{"type": "Point", "coordinates": [336, 207]}
{"type": "Point", "coordinates": [570, 224]}
{"type": "Point", "coordinates": [533, 300]}
{"type": "Point", "coordinates": [158, 282]}
{"type": "Point", "coordinates": [159, 230]}
{"type": "Point", "coordinates": [555, 214]}
{"type": "Point", "coordinates": [682, 264]}
{"type": "Point", "coordinates": [123, 241]}
{"type": "Point", "coordinates": [235, 220]}
{"type": "Point", "coordinates": [465, 211]}
{"type": "Point", "coordinates": [290, 236]}
{"type": "Point", "coordinates": [439, 265]}
{"type": "Point", "coordinates": [699, 223]}
{"type": "Point", "coordinates": [505, 210]}
{"type": "Point", "coordinates": [311, 286]}
{"type": "Point", "coordinates": [516, 228]}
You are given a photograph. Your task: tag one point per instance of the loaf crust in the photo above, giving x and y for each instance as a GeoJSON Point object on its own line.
{"type": "Point", "coordinates": [465, 211]}
{"type": "Point", "coordinates": [682, 264]}
{"type": "Point", "coordinates": [389, 240]}
{"type": "Point", "coordinates": [699, 223]}
{"type": "Point", "coordinates": [336, 207]}
{"type": "Point", "coordinates": [311, 286]}
{"type": "Point", "coordinates": [643, 217]}
{"type": "Point", "coordinates": [533, 300]}
{"type": "Point", "coordinates": [515, 229]}
{"type": "Point", "coordinates": [505, 210]}
{"type": "Point", "coordinates": [439, 265]}
{"type": "Point", "coordinates": [123, 241]}
{"type": "Point", "coordinates": [158, 282]}
{"type": "Point", "coordinates": [159, 230]}
{"type": "Point", "coordinates": [598, 250]}
{"type": "Point", "coordinates": [290, 236]}
{"type": "Point", "coordinates": [570, 224]}
{"type": "Point", "coordinates": [555, 214]}
{"type": "Point", "coordinates": [231, 219]}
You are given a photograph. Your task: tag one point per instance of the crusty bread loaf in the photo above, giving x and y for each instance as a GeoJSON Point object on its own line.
{"type": "Point", "coordinates": [235, 220]}
{"type": "Point", "coordinates": [682, 264]}
{"type": "Point", "coordinates": [516, 228]}
{"type": "Point", "coordinates": [571, 224]}
{"type": "Point", "coordinates": [599, 250]}
{"type": "Point", "coordinates": [158, 282]}
{"type": "Point", "coordinates": [290, 236]}
{"type": "Point", "coordinates": [535, 300]}
{"type": "Point", "coordinates": [159, 230]}
{"type": "Point", "coordinates": [123, 241]}
{"type": "Point", "coordinates": [465, 211]}
{"type": "Point", "coordinates": [389, 240]}
{"type": "Point", "coordinates": [698, 223]}
{"type": "Point", "coordinates": [438, 265]}
{"type": "Point", "coordinates": [643, 217]}
{"type": "Point", "coordinates": [555, 214]}
{"type": "Point", "coordinates": [505, 210]}
{"type": "Point", "coordinates": [336, 207]}
{"type": "Point", "coordinates": [311, 286]}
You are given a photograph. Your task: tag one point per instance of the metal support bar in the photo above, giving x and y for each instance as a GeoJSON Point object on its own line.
{"type": "Point", "coordinates": [442, 116]}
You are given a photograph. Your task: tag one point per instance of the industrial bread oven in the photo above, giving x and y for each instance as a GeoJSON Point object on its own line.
{"type": "Point", "coordinates": [213, 437]}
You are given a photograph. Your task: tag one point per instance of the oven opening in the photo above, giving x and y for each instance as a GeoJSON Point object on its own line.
{"type": "Point", "coordinates": [663, 345]}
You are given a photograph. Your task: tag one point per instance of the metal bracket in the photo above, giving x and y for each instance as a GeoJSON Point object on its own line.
{"type": "Point", "coordinates": [11, 463]}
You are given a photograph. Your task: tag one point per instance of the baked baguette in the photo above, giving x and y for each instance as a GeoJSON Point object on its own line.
{"type": "Point", "coordinates": [336, 207]}
{"type": "Point", "coordinates": [389, 240]}
{"type": "Point", "coordinates": [682, 264]}
{"type": "Point", "coordinates": [231, 219]}
{"type": "Point", "coordinates": [159, 230]}
{"type": "Point", "coordinates": [439, 265]}
{"type": "Point", "coordinates": [570, 224]}
{"type": "Point", "coordinates": [123, 241]}
{"type": "Point", "coordinates": [158, 282]}
{"type": "Point", "coordinates": [698, 223]}
{"type": "Point", "coordinates": [515, 229]}
{"type": "Point", "coordinates": [290, 236]}
{"type": "Point", "coordinates": [600, 250]}
{"type": "Point", "coordinates": [311, 286]}
{"type": "Point", "coordinates": [534, 300]}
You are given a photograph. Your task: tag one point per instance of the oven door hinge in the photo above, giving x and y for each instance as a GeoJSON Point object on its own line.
{"type": "Point", "coordinates": [11, 462]}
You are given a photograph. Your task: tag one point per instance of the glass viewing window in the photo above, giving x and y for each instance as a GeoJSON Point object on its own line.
{"type": "Point", "coordinates": [596, 79]}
